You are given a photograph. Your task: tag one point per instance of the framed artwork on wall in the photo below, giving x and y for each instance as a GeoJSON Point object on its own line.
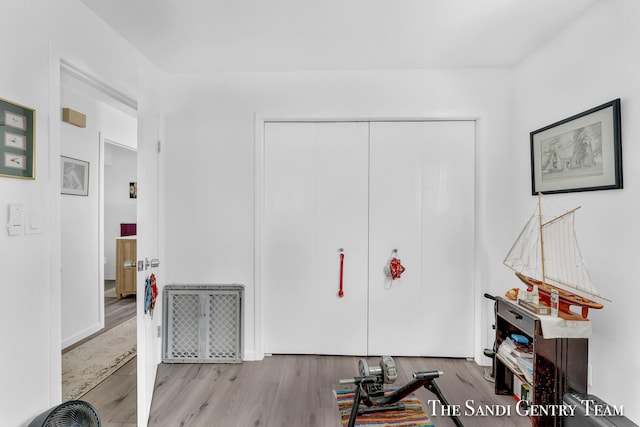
{"type": "Point", "coordinates": [17, 146]}
{"type": "Point", "coordinates": [74, 176]}
{"type": "Point", "coordinates": [580, 153]}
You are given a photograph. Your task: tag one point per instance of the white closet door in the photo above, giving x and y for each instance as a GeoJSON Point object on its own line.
{"type": "Point", "coordinates": [422, 203]}
{"type": "Point", "coordinates": [315, 203]}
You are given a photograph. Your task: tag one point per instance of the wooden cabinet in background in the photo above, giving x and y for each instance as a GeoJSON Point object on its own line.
{"type": "Point", "coordinates": [125, 267]}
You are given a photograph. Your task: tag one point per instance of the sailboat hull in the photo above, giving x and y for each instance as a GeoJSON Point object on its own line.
{"type": "Point", "coordinates": [565, 299]}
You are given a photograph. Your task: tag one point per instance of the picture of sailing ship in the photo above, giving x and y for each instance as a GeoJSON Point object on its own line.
{"type": "Point", "coordinates": [546, 255]}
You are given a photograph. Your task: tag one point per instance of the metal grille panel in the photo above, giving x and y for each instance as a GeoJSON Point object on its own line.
{"type": "Point", "coordinates": [203, 324]}
{"type": "Point", "coordinates": [223, 327]}
{"type": "Point", "coordinates": [184, 327]}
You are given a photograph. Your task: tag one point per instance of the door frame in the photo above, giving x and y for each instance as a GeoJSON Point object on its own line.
{"type": "Point", "coordinates": [480, 333]}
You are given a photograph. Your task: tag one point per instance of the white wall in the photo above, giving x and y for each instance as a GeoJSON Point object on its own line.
{"type": "Point", "coordinates": [30, 310]}
{"type": "Point", "coordinates": [594, 61]}
{"type": "Point", "coordinates": [211, 144]}
{"type": "Point", "coordinates": [81, 312]}
{"type": "Point", "coordinates": [25, 307]}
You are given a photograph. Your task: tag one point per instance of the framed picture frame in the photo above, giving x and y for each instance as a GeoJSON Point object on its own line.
{"type": "Point", "coordinates": [74, 176]}
{"type": "Point", "coordinates": [580, 153]}
{"type": "Point", "coordinates": [17, 140]}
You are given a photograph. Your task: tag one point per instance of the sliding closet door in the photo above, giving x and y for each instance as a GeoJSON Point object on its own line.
{"type": "Point", "coordinates": [315, 203]}
{"type": "Point", "coordinates": [422, 204]}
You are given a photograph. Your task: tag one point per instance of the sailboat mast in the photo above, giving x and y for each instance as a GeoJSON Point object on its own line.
{"type": "Point", "coordinates": [541, 240]}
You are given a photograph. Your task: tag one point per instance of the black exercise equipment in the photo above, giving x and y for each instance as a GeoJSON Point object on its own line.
{"type": "Point", "coordinates": [370, 389]}
{"type": "Point", "coordinates": [490, 375]}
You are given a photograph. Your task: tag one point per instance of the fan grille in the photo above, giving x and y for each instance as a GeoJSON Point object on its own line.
{"type": "Point", "coordinates": [75, 413]}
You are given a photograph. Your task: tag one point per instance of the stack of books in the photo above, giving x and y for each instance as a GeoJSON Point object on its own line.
{"type": "Point", "coordinates": [526, 366]}
{"type": "Point", "coordinates": [519, 355]}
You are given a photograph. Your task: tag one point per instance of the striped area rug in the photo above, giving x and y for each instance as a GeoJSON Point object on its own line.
{"type": "Point", "coordinates": [413, 414]}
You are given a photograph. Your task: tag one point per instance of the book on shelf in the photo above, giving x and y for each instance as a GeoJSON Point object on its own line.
{"type": "Point", "coordinates": [507, 355]}
{"type": "Point", "coordinates": [517, 349]}
{"type": "Point", "coordinates": [517, 387]}
{"type": "Point", "coordinates": [521, 389]}
{"type": "Point", "coordinates": [525, 392]}
{"type": "Point", "coordinates": [523, 351]}
{"type": "Point", "coordinates": [526, 366]}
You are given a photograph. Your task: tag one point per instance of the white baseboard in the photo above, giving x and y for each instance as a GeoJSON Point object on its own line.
{"type": "Point", "coordinates": [66, 342]}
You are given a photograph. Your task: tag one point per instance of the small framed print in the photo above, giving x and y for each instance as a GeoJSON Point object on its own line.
{"type": "Point", "coordinates": [17, 140]}
{"type": "Point", "coordinates": [74, 176]}
{"type": "Point", "coordinates": [13, 140]}
{"type": "Point", "coordinates": [14, 120]}
{"type": "Point", "coordinates": [15, 161]}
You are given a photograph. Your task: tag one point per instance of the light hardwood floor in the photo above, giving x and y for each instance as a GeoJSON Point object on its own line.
{"type": "Point", "coordinates": [279, 391]}
{"type": "Point", "coordinates": [295, 390]}
{"type": "Point", "coordinates": [282, 390]}
{"type": "Point", "coordinates": [115, 397]}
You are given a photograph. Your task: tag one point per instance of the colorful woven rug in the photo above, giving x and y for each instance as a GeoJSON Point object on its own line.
{"type": "Point", "coordinates": [413, 414]}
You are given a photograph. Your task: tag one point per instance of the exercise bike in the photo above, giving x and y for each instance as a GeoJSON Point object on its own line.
{"type": "Point", "coordinates": [370, 383]}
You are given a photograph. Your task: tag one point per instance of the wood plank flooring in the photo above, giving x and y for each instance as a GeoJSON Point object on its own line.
{"type": "Point", "coordinates": [281, 390]}
{"type": "Point", "coordinates": [115, 398]}
{"type": "Point", "coordinates": [295, 390]}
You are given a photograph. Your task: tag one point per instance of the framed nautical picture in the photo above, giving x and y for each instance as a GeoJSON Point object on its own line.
{"type": "Point", "coordinates": [580, 153]}
{"type": "Point", "coordinates": [17, 140]}
{"type": "Point", "coordinates": [74, 176]}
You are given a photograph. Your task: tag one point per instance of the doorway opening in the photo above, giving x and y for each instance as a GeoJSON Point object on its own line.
{"type": "Point", "coordinates": [93, 320]}
{"type": "Point", "coordinates": [119, 164]}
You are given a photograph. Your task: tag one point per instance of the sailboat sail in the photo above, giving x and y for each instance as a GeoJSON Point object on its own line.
{"type": "Point", "coordinates": [524, 256]}
{"type": "Point", "coordinates": [557, 248]}
{"type": "Point", "coordinates": [563, 261]}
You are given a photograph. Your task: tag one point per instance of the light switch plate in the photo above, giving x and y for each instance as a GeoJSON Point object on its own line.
{"type": "Point", "coordinates": [32, 222]}
{"type": "Point", "coordinates": [15, 224]}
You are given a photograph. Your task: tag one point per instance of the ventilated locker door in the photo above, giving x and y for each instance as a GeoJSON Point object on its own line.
{"type": "Point", "coordinates": [223, 321]}
{"type": "Point", "coordinates": [183, 325]}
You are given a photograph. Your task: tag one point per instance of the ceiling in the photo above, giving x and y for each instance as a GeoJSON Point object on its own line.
{"type": "Point", "coordinates": [299, 35]}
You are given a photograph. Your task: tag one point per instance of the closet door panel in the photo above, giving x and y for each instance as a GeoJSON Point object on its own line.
{"type": "Point", "coordinates": [342, 211]}
{"type": "Point", "coordinates": [396, 308]}
{"type": "Point", "coordinates": [422, 203]}
{"type": "Point", "coordinates": [315, 203]}
{"type": "Point", "coordinates": [289, 242]}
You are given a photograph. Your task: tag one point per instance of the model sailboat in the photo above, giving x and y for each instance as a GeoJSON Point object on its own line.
{"type": "Point", "coordinates": [546, 255]}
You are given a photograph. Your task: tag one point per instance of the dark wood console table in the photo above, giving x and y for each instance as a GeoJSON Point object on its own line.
{"type": "Point", "coordinates": [559, 364]}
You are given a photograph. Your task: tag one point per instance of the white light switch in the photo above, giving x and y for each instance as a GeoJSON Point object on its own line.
{"type": "Point", "coordinates": [15, 225]}
{"type": "Point", "coordinates": [32, 222]}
